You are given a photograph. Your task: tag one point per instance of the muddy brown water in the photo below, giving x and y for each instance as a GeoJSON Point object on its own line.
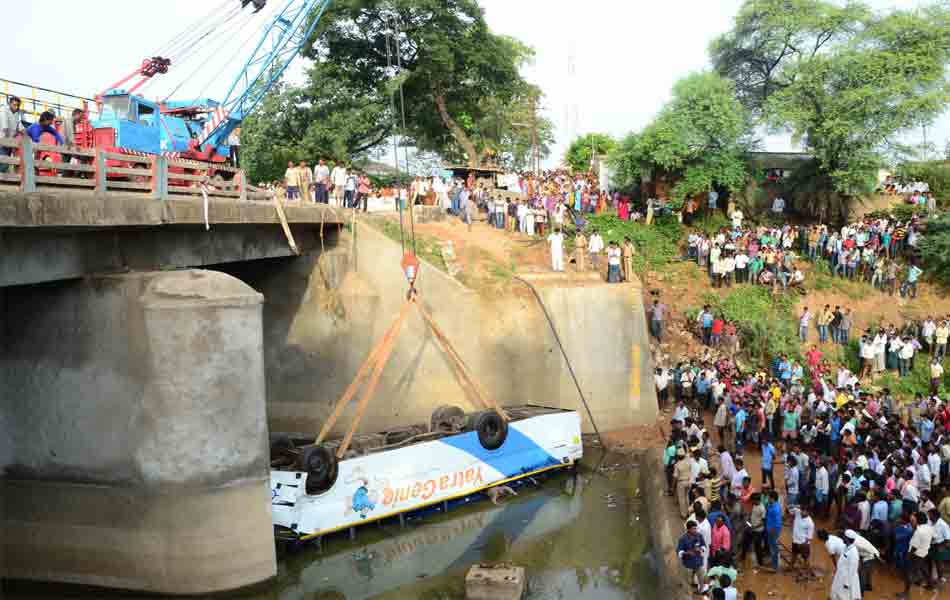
{"type": "Point", "coordinates": [578, 535]}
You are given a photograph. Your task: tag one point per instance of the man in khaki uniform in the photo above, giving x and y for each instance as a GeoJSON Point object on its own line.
{"type": "Point", "coordinates": [682, 475]}
{"type": "Point", "coordinates": [628, 251]}
{"type": "Point", "coordinates": [580, 249]}
{"type": "Point", "coordinates": [304, 179]}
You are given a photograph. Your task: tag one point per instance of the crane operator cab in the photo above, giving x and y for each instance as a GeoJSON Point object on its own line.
{"type": "Point", "coordinates": [128, 121]}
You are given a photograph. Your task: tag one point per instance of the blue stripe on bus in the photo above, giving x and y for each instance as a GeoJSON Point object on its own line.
{"type": "Point", "coordinates": [519, 454]}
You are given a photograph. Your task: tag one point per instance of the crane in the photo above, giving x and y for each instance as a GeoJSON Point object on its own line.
{"type": "Point", "coordinates": [199, 128]}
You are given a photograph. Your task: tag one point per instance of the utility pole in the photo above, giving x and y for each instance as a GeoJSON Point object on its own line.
{"type": "Point", "coordinates": [535, 151]}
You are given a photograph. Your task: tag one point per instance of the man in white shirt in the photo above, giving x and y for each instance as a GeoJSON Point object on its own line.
{"type": "Point", "coordinates": [919, 549]}
{"type": "Point", "coordinates": [803, 531]}
{"type": "Point", "coordinates": [338, 179]}
{"type": "Point", "coordinates": [321, 178]}
{"type": "Point", "coordinates": [556, 238]}
{"type": "Point", "coordinates": [595, 246]}
{"type": "Point", "coordinates": [737, 217]}
{"type": "Point", "coordinates": [778, 205]}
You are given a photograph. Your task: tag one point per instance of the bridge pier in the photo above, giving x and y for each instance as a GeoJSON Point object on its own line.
{"type": "Point", "coordinates": [133, 433]}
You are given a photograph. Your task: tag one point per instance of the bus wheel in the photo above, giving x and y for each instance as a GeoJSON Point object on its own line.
{"type": "Point", "coordinates": [321, 467]}
{"type": "Point", "coordinates": [492, 430]}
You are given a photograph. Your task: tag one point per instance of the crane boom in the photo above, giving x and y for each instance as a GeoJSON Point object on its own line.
{"type": "Point", "coordinates": [281, 42]}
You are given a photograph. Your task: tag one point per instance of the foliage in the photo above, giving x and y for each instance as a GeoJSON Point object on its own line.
{"type": "Point", "coordinates": [712, 224]}
{"type": "Point", "coordinates": [917, 381]}
{"type": "Point", "coordinates": [657, 245]}
{"type": "Point", "coordinates": [935, 248]}
{"type": "Point", "coordinates": [935, 173]}
{"type": "Point", "coordinates": [843, 80]}
{"type": "Point", "coordinates": [579, 154]}
{"type": "Point", "coordinates": [766, 323]}
{"type": "Point", "coordinates": [899, 212]}
{"type": "Point", "coordinates": [770, 35]}
{"type": "Point", "coordinates": [700, 138]}
{"type": "Point", "coordinates": [452, 72]}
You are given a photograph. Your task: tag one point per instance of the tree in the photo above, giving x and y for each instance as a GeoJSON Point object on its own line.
{"type": "Point", "coordinates": [581, 151]}
{"type": "Point", "coordinates": [453, 68]}
{"type": "Point", "coordinates": [935, 248]}
{"type": "Point", "coordinates": [329, 118]}
{"type": "Point", "coordinates": [700, 138]}
{"type": "Point", "coordinates": [844, 81]}
{"type": "Point", "coordinates": [771, 35]}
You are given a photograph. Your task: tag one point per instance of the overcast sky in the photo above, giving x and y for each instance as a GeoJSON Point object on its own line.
{"type": "Point", "coordinates": [626, 55]}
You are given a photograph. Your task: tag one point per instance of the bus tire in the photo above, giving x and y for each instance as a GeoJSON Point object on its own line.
{"type": "Point", "coordinates": [492, 430]}
{"type": "Point", "coordinates": [321, 467]}
{"type": "Point", "coordinates": [281, 446]}
{"type": "Point", "coordinates": [445, 417]}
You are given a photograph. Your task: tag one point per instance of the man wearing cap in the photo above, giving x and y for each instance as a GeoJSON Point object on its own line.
{"type": "Point", "coordinates": [682, 472]}
{"type": "Point", "coordinates": [846, 584]}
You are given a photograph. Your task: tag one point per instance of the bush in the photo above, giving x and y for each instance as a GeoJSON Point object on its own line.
{"type": "Point", "coordinates": [766, 323]}
{"type": "Point", "coordinates": [935, 249]}
{"type": "Point", "coordinates": [657, 245]}
{"type": "Point", "coordinates": [712, 224]}
{"type": "Point", "coordinates": [899, 212]}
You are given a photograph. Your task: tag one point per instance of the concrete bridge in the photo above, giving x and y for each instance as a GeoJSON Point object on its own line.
{"type": "Point", "coordinates": [144, 358]}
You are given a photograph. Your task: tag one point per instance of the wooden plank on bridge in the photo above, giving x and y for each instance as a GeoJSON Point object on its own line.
{"type": "Point", "coordinates": [71, 150]}
{"type": "Point", "coordinates": [9, 160]}
{"type": "Point", "coordinates": [124, 171]}
{"type": "Point", "coordinates": [65, 181]}
{"type": "Point", "coordinates": [128, 157]}
{"type": "Point", "coordinates": [128, 185]}
{"type": "Point", "coordinates": [70, 167]}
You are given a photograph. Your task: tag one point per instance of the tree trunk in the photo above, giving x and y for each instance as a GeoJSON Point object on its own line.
{"type": "Point", "coordinates": [457, 132]}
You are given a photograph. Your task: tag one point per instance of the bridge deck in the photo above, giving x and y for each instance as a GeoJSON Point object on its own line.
{"type": "Point", "coordinates": [79, 208]}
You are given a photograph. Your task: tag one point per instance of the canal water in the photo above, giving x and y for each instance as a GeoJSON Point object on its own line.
{"type": "Point", "coordinates": [578, 536]}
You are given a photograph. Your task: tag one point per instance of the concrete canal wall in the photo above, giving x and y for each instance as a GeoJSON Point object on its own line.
{"type": "Point", "coordinates": [666, 526]}
{"type": "Point", "coordinates": [324, 312]}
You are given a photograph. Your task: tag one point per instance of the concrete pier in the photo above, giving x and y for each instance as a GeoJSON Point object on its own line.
{"type": "Point", "coordinates": [136, 441]}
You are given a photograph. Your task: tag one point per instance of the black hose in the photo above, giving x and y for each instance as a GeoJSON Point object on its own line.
{"type": "Point", "coordinates": [570, 368]}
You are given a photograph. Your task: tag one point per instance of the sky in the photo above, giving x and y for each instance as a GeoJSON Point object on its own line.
{"type": "Point", "coordinates": [626, 55]}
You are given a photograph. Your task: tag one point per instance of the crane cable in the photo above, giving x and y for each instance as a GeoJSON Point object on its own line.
{"type": "Point", "coordinates": [170, 44]}
{"type": "Point", "coordinates": [240, 47]}
{"type": "Point", "coordinates": [225, 35]}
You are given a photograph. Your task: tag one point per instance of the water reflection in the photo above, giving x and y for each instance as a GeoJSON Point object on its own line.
{"type": "Point", "coordinates": [577, 537]}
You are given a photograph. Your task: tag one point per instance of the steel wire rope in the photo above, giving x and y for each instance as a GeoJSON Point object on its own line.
{"type": "Point", "coordinates": [197, 44]}
{"type": "Point", "coordinates": [199, 41]}
{"type": "Point", "coordinates": [255, 31]}
{"type": "Point", "coordinates": [392, 109]}
{"type": "Point", "coordinates": [182, 35]}
{"type": "Point", "coordinates": [570, 367]}
{"type": "Point", "coordinates": [402, 108]}
{"type": "Point", "coordinates": [224, 33]}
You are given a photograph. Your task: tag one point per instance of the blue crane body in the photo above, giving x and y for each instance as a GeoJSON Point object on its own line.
{"type": "Point", "coordinates": [199, 128]}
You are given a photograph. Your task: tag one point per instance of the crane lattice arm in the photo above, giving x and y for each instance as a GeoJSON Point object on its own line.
{"type": "Point", "coordinates": [281, 42]}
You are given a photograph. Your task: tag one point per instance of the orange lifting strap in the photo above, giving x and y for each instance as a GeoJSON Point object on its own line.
{"type": "Point", "coordinates": [376, 361]}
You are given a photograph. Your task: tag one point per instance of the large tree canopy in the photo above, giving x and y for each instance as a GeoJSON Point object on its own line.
{"type": "Point", "coordinates": [700, 138]}
{"type": "Point", "coordinates": [455, 72]}
{"type": "Point", "coordinates": [843, 80]}
{"type": "Point", "coordinates": [579, 154]}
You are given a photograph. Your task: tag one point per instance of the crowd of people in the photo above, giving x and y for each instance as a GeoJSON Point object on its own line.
{"type": "Point", "coordinates": [340, 187]}
{"type": "Point", "coordinates": [873, 470]}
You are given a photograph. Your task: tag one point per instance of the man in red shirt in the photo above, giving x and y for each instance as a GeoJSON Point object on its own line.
{"type": "Point", "coordinates": [814, 357]}
{"type": "Point", "coordinates": [717, 327]}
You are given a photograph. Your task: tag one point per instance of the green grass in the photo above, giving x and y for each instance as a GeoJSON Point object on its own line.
{"type": "Point", "coordinates": [766, 323]}
{"type": "Point", "coordinates": [427, 248]}
{"type": "Point", "coordinates": [657, 244]}
{"type": "Point", "coordinates": [823, 280]}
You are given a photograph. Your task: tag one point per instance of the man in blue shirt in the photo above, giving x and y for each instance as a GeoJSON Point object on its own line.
{"type": "Point", "coordinates": [740, 427]}
{"type": "Point", "coordinates": [773, 527]}
{"type": "Point", "coordinates": [36, 130]}
{"type": "Point", "coordinates": [768, 456]}
{"type": "Point", "coordinates": [691, 552]}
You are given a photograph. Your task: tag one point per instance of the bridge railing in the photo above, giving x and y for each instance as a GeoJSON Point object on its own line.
{"type": "Point", "coordinates": [32, 167]}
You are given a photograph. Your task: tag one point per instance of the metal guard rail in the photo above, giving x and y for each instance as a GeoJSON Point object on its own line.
{"type": "Point", "coordinates": [40, 167]}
